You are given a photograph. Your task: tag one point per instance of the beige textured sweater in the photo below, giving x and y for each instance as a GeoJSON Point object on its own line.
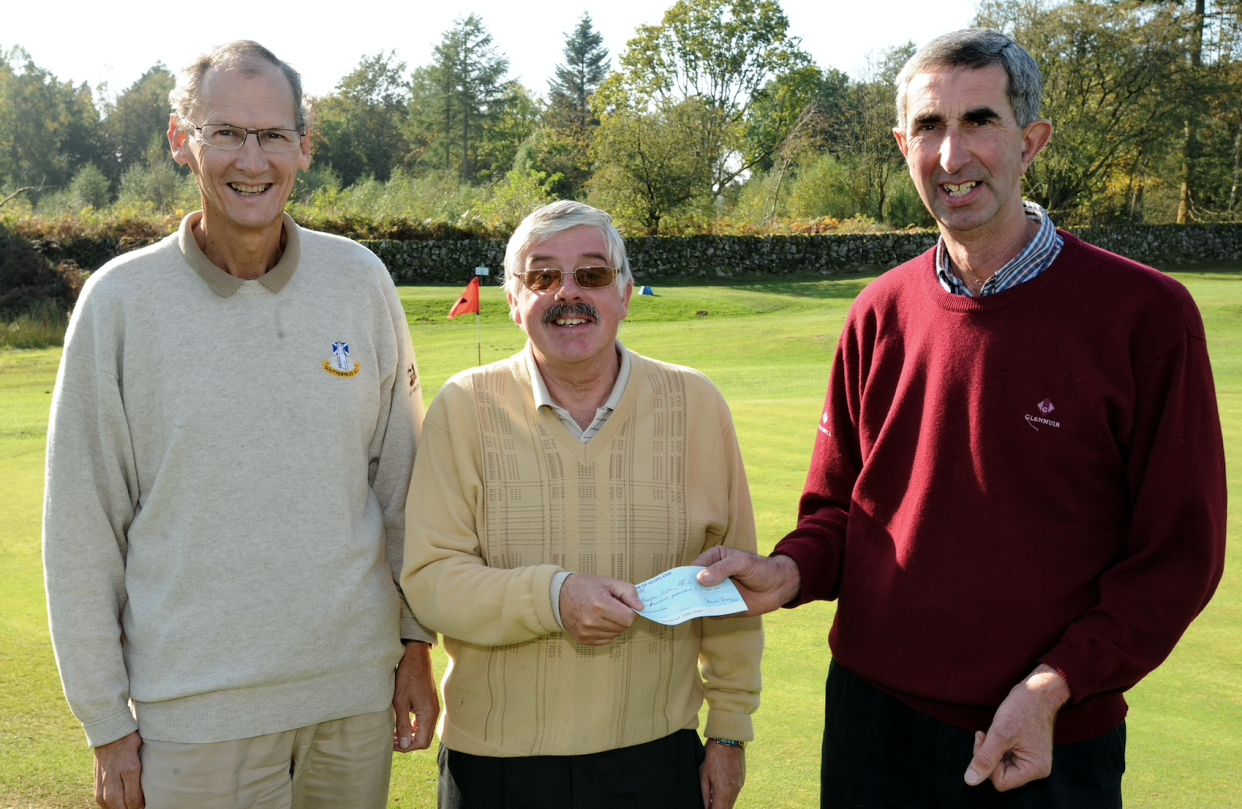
{"type": "Point", "coordinates": [504, 497]}
{"type": "Point", "coordinates": [226, 491]}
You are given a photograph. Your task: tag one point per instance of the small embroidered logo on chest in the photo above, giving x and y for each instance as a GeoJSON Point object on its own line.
{"type": "Point", "coordinates": [412, 373]}
{"type": "Point", "coordinates": [339, 365]}
{"type": "Point", "coordinates": [1046, 407]}
{"type": "Point", "coordinates": [823, 424]}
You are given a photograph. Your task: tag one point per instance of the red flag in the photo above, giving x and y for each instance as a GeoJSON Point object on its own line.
{"type": "Point", "coordinates": [468, 304]}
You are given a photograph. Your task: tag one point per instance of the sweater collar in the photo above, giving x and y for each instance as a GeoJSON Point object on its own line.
{"type": "Point", "coordinates": [224, 284]}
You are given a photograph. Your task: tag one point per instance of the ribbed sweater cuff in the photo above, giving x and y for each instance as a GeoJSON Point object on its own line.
{"type": "Point", "coordinates": [813, 569]}
{"type": "Point", "coordinates": [413, 630]}
{"type": "Point", "coordinates": [1077, 672]}
{"type": "Point", "coordinates": [108, 730]}
{"type": "Point", "coordinates": [729, 725]}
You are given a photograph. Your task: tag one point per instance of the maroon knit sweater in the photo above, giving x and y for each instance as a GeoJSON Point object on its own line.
{"type": "Point", "coordinates": [1034, 476]}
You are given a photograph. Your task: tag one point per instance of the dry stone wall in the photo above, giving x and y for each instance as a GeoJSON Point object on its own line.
{"type": "Point", "coordinates": [710, 257]}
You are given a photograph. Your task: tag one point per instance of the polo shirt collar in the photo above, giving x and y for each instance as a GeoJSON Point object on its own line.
{"type": "Point", "coordinates": [224, 284]}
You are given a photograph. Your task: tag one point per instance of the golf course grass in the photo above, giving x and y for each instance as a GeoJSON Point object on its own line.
{"type": "Point", "coordinates": [769, 347]}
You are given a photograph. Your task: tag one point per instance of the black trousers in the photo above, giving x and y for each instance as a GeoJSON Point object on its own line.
{"type": "Point", "coordinates": [662, 774]}
{"type": "Point", "coordinates": [879, 753]}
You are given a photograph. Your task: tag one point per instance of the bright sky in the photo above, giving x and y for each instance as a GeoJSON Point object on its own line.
{"type": "Point", "coordinates": [115, 41]}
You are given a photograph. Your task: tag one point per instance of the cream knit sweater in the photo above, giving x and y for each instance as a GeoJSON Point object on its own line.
{"type": "Point", "coordinates": [226, 489]}
{"type": "Point", "coordinates": [504, 497]}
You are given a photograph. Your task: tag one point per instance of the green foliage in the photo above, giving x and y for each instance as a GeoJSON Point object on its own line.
{"type": "Point", "coordinates": [89, 189]}
{"type": "Point", "coordinates": [577, 79]}
{"type": "Point", "coordinates": [48, 128]}
{"type": "Point", "coordinates": [458, 99]}
{"type": "Point", "coordinates": [29, 284]}
{"type": "Point", "coordinates": [719, 53]}
{"type": "Point", "coordinates": [138, 114]}
{"type": "Point", "coordinates": [1110, 74]}
{"type": "Point", "coordinates": [359, 130]}
{"type": "Point", "coordinates": [650, 166]}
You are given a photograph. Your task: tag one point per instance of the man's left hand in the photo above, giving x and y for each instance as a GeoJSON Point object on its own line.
{"type": "Point", "coordinates": [721, 775]}
{"type": "Point", "coordinates": [416, 694]}
{"type": "Point", "coordinates": [1017, 748]}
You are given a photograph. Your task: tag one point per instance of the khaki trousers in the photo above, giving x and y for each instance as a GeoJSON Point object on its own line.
{"type": "Point", "coordinates": [342, 764]}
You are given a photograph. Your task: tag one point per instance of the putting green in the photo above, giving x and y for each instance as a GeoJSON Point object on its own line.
{"type": "Point", "coordinates": [769, 348]}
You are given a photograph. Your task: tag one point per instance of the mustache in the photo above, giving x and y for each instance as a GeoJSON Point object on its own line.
{"type": "Point", "coordinates": [560, 311]}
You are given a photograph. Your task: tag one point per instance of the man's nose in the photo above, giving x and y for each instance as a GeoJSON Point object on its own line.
{"type": "Point", "coordinates": [569, 286]}
{"type": "Point", "coordinates": [251, 155]}
{"type": "Point", "coordinates": [954, 153]}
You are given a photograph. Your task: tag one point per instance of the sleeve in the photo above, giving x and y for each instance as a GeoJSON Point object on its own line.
{"type": "Point", "coordinates": [91, 495]}
{"type": "Point", "coordinates": [1175, 547]}
{"type": "Point", "coordinates": [393, 449]}
{"type": "Point", "coordinates": [817, 544]}
{"type": "Point", "coordinates": [445, 576]}
{"type": "Point", "coordinates": [731, 649]}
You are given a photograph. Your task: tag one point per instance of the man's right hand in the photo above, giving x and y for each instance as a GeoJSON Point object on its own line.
{"type": "Point", "coordinates": [118, 772]}
{"type": "Point", "coordinates": [595, 610]}
{"type": "Point", "coordinates": [766, 583]}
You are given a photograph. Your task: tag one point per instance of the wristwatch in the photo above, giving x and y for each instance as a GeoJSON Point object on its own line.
{"type": "Point", "coordinates": [729, 743]}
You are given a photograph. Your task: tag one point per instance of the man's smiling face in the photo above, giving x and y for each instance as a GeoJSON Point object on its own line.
{"type": "Point", "coordinates": [242, 189]}
{"type": "Point", "coordinates": [965, 150]}
{"type": "Point", "coordinates": [573, 330]}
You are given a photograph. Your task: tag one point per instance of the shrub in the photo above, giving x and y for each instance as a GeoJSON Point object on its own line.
{"type": "Point", "coordinates": [28, 281]}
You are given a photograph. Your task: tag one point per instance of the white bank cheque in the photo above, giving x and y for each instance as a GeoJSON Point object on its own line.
{"type": "Point", "coordinates": [675, 596]}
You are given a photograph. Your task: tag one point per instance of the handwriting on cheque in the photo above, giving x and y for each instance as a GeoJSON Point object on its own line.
{"type": "Point", "coordinates": [675, 596]}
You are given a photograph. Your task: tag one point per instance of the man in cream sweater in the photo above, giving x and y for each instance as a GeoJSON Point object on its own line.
{"type": "Point", "coordinates": [231, 443]}
{"type": "Point", "coordinates": [546, 486]}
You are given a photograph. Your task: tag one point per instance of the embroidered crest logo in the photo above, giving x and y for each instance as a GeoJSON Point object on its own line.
{"type": "Point", "coordinates": [339, 365]}
{"type": "Point", "coordinates": [1046, 407]}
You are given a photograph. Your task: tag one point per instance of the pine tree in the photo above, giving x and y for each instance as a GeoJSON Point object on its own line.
{"type": "Point", "coordinates": [586, 65]}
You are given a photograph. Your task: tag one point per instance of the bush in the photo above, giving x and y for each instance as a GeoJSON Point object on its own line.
{"type": "Point", "coordinates": [28, 281]}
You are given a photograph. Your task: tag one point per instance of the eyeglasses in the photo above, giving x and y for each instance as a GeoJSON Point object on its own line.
{"type": "Point", "coordinates": [224, 136]}
{"type": "Point", "coordinates": [585, 277]}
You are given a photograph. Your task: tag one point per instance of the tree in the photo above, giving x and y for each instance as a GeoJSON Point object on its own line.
{"type": "Point", "coordinates": [48, 128]}
{"type": "Point", "coordinates": [650, 165]}
{"type": "Point", "coordinates": [456, 99]}
{"type": "Point", "coordinates": [719, 53]}
{"type": "Point", "coordinates": [359, 129]}
{"type": "Point", "coordinates": [137, 116]}
{"type": "Point", "coordinates": [1112, 74]}
{"type": "Point", "coordinates": [585, 68]}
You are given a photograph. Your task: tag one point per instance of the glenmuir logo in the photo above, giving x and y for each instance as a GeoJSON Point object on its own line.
{"type": "Point", "coordinates": [339, 366]}
{"type": "Point", "coordinates": [412, 373]}
{"type": "Point", "coordinates": [1046, 407]}
{"type": "Point", "coordinates": [823, 424]}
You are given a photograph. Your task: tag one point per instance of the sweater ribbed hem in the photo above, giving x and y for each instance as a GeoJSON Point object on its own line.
{"type": "Point", "coordinates": [244, 713]}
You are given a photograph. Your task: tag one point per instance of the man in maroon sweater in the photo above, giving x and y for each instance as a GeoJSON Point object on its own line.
{"type": "Point", "coordinates": [1017, 493]}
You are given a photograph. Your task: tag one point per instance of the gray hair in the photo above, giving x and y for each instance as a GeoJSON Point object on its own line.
{"type": "Point", "coordinates": [978, 48]}
{"type": "Point", "coordinates": [553, 220]}
{"type": "Point", "coordinates": [241, 56]}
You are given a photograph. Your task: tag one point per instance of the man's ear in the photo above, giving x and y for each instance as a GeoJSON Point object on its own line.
{"type": "Point", "coordinates": [178, 141]}
{"type": "Point", "coordinates": [513, 310]}
{"type": "Point", "coordinates": [902, 143]}
{"type": "Point", "coordinates": [1035, 138]}
{"type": "Point", "coordinates": [626, 296]}
{"type": "Point", "coordinates": [304, 151]}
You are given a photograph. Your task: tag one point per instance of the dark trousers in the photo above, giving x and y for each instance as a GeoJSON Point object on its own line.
{"type": "Point", "coordinates": [663, 774]}
{"type": "Point", "coordinates": [880, 754]}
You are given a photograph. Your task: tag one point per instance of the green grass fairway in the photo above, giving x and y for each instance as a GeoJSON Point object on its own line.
{"type": "Point", "coordinates": [768, 347]}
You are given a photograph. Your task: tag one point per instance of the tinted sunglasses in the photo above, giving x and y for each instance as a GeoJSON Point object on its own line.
{"type": "Point", "coordinates": [585, 277]}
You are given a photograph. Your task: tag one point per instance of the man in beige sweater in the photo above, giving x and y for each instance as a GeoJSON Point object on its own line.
{"type": "Point", "coordinates": [230, 450]}
{"type": "Point", "coordinates": [547, 485]}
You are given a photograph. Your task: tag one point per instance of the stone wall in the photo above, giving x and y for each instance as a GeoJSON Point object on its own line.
{"type": "Point", "coordinates": [711, 257]}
